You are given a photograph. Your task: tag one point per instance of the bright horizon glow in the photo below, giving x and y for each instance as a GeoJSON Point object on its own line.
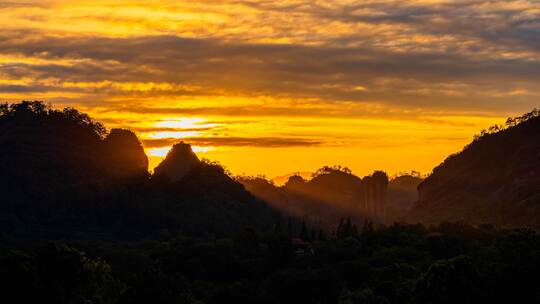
{"type": "Point", "coordinates": [281, 86]}
{"type": "Point", "coordinates": [162, 152]}
{"type": "Point", "coordinates": [174, 134]}
{"type": "Point", "coordinates": [185, 123]}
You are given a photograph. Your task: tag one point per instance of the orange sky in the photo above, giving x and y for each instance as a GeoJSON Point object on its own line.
{"type": "Point", "coordinates": [271, 87]}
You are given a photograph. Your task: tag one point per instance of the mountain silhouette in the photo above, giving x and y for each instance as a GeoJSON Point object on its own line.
{"type": "Point", "coordinates": [204, 197]}
{"type": "Point", "coordinates": [125, 154]}
{"type": "Point", "coordinates": [63, 175]}
{"type": "Point", "coordinates": [282, 179]}
{"type": "Point", "coordinates": [495, 179]}
{"type": "Point", "coordinates": [82, 221]}
{"type": "Point", "coordinates": [178, 162]}
{"type": "Point", "coordinates": [402, 195]}
{"type": "Point", "coordinates": [332, 194]}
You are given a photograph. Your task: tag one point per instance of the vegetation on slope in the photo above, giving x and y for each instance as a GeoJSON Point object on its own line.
{"type": "Point", "coordinates": [495, 179]}
{"type": "Point", "coordinates": [63, 175]}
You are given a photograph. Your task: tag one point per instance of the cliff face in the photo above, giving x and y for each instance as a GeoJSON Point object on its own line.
{"type": "Point", "coordinates": [178, 162]}
{"type": "Point", "coordinates": [125, 154]}
{"type": "Point", "coordinates": [495, 179]}
{"type": "Point", "coordinates": [402, 195]}
{"type": "Point", "coordinates": [329, 196]}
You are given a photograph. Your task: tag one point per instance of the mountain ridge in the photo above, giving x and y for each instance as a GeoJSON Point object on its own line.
{"type": "Point", "coordinates": [495, 179]}
{"type": "Point", "coordinates": [62, 175]}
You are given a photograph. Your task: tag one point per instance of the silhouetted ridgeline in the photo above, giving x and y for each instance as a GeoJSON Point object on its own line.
{"type": "Point", "coordinates": [62, 174]}
{"type": "Point", "coordinates": [335, 193]}
{"type": "Point", "coordinates": [402, 195]}
{"type": "Point", "coordinates": [495, 179]}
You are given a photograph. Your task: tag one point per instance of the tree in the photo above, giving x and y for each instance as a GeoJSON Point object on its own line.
{"type": "Point", "coordinates": [340, 229]}
{"type": "Point", "coordinates": [277, 227]}
{"type": "Point", "coordinates": [68, 276]}
{"type": "Point", "coordinates": [448, 281]}
{"type": "Point", "coordinates": [321, 236]}
{"type": "Point", "coordinates": [363, 296]}
{"type": "Point", "coordinates": [289, 227]}
{"type": "Point", "coordinates": [332, 169]}
{"type": "Point", "coordinates": [304, 231]}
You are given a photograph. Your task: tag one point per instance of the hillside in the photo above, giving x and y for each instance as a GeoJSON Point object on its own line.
{"type": "Point", "coordinates": [282, 179]}
{"type": "Point", "coordinates": [332, 194]}
{"type": "Point", "coordinates": [402, 195]}
{"type": "Point", "coordinates": [63, 175]}
{"type": "Point", "coordinates": [495, 179]}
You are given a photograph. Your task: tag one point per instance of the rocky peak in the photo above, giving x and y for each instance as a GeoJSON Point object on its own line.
{"type": "Point", "coordinates": [295, 181]}
{"type": "Point", "coordinates": [125, 154]}
{"type": "Point", "coordinates": [178, 162]}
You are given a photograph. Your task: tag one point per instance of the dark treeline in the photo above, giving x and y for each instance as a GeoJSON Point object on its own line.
{"type": "Point", "coordinates": [447, 263]}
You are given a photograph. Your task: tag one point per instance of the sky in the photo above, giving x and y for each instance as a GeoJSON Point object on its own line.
{"type": "Point", "coordinates": [272, 87]}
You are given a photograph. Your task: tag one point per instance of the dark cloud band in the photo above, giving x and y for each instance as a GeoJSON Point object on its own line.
{"type": "Point", "coordinates": [272, 142]}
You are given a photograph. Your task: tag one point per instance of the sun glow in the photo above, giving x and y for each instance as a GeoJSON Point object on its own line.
{"type": "Point", "coordinates": [158, 152]}
{"type": "Point", "coordinates": [162, 152]}
{"type": "Point", "coordinates": [185, 123]}
{"type": "Point", "coordinates": [198, 149]}
{"type": "Point", "coordinates": [174, 134]}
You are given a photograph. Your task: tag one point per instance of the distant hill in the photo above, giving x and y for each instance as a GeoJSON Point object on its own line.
{"type": "Point", "coordinates": [332, 194]}
{"type": "Point", "coordinates": [402, 195]}
{"type": "Point", "coordinates": [282, 179]}
{"type": "Point", "coordinates": [495, 179]}
{"type": "Point", "coordinates": [63, 175]}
